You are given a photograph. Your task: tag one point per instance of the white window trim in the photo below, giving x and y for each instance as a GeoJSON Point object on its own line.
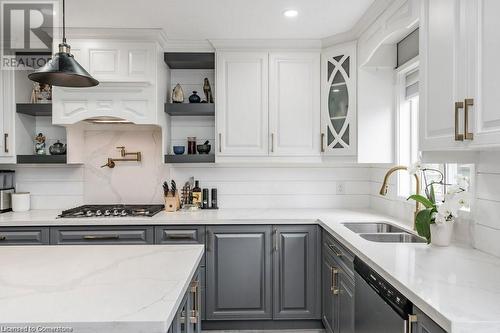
{"type": "Point", "coordinates": [400, 95]}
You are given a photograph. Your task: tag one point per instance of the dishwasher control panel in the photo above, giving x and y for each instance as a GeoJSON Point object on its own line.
{"type": "Point", "coordinates": [389, 293]}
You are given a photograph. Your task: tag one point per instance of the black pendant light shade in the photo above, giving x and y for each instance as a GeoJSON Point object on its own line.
{"type": "Point", "coordinates": [63, 70]}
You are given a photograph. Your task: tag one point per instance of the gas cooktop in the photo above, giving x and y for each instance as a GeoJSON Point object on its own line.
{"type": "Point", "coordinates": [111, 211]}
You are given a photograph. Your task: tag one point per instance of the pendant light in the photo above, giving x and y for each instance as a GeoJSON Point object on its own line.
{"type": "Point", "coordinates": [63, 70]}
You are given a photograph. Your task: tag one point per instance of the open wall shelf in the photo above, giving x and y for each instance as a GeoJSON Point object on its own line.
{"type": "Point", "coordinates": [41, 159]}
{"type": "Point", "coordinates": [190, 109]}
{"type": "Point", "coordinates": [198, 158]}
{"type": "Point", "coordinates": [34, 109]}
{"type": "Point", "coordinates": [190, 60]}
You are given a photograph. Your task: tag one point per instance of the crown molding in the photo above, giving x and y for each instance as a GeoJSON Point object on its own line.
{"type": "Point", "coordinates": [157, 35]}
{"type": "Point", "coordinates": [367, 19]}
{"type": "Point", "coordinates": [266, 44]}
{"type": "Point", "coordinates": [181, 45]}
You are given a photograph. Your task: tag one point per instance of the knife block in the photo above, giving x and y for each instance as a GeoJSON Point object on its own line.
{"type": "Point", "coordinates": [172, 202]}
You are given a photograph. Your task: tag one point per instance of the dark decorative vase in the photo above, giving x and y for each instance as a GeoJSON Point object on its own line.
{"type": "Point", "coordinates": [194, 98]}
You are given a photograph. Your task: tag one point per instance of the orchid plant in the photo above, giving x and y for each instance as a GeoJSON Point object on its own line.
{"type": "Point", "coordinates": [445, 211]}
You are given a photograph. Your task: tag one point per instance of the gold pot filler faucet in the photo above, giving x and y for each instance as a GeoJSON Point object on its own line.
{"type": "Point", "coordinates": [385, 187]}
{"type": "Point", "coordinates": [111, 161]}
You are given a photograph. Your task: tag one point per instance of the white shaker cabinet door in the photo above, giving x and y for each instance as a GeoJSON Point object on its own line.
{"type": "Point", "coordinates": [242, 103]}
{"type": "Point", "coordinates": [442, 69]}
{"type": "Point", "coordinates": [338, 100]}
{"type": "Point", "coordinates": [294, 104]}
{"type": "Point", "coordinates": [484, 82]}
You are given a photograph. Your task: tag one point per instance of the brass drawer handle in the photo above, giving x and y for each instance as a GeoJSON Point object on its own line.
{"type": "Point", "coordinates": [180, 236]}
{"type": "Point", "coordinates": [322, 142]}
{"type": "Point", "coordinates": [335, 250]}
{"type": "Point", "coordinates": [458, 106]}
{"type": "Point", "coordinates": [411, 320]}
{"type": "Point", "coordinates": [276, 240]}
{"type": "Point", "coordinates": [97, 237]}
{"type": "Point", "coordinates": [5, 142]}
{"type": "Point", "coordinates": [467, 102]}
{"type": "Point", "coordinates": [220, 142]}
{"type": "Point", "coordinates": [333, 286]}
{"type": "Point", "coordinates": [2, 238]}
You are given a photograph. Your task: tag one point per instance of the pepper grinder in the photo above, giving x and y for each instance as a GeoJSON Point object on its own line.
{"type": "Point", "coordinates": [214, 199]}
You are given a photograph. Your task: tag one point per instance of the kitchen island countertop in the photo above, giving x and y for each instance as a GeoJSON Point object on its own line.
{"type": "Point", "coordinates": [122, 288]}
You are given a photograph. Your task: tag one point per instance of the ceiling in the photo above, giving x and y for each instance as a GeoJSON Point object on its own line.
{"type": "Point", "coordinates": [221, 19]}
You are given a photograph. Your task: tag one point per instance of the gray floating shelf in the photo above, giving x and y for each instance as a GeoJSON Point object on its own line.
{"type": "Point", "coordinates": [190, 109]}
{"type": "Point", "coordinates": [41, 159]}
{"type": "Point", "coordinates": [198, 158]}
{"type": "Point", "coordinates": [34, 109]}
{"type": "Point", "coordinates": [190, 60]}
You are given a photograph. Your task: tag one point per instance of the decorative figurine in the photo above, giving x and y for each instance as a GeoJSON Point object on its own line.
{"type": "Point", "coordinates": [40, 144]}
{"type": "Point", "coordinates": [208, 91]}
{"type": "Point", "coordinates": [194, 98]}
{"type": "Point", "coordinates": [45, 95]}
{"type": "Point", "coordinates": [177, 94]}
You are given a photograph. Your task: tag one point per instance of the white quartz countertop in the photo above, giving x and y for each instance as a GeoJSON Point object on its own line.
{"type": "Point", "coordinates": [122, 288]}
{"type": "Point", "coordinates": [458, 287]}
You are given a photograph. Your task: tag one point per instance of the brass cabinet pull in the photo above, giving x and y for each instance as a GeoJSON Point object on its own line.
{"type": "Point", "coordinates": [2, 238]}
{"type": "Point", "coordinates": [276, 240]}
{"type": "Point", "coordinates": [5, 144]}
{"type": "Point", "coordinates": [98, 237]}
{"type": "Point", "coordinates": [333, 286]}
{"type": "Point", "coordinates": [411, 320]}
{"type": "Point", "coordinates": [467, 102]}
{"type": "Point", "coordinates": [458, 106]}
{"type": "Point", "coordinates": [335, 250]}
{"type": "Point", "coordinates": [194, 313]}
{"type": "Point", "coordinates": [179, 236]}
{"type": "Point", "coordinates": [208, 241]}
{"type": "Point", "coordinates": [220, 142]}
{"type": "Point", "coordinates": [322, 142]}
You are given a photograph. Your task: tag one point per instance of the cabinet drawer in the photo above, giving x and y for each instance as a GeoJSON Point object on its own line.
{"type": "Point", "coordinates": [181, 235]}
{"type": "Point", "coordinates": [341, 255]}
{"type": "Point", "coordinates": [24, 236]}
{"type": "Point", "coordinates": [102, 235]}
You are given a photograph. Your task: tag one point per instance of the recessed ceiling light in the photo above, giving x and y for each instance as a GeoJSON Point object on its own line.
{"type": "Point", "coordinates": [290, 13]}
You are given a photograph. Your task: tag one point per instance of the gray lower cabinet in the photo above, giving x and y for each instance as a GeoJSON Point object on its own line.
{"type": "Point", "coordinates": [239, 273]}
{"type": "Point", "coordinates": [187, 319]}
{"type": "Point", "coordinates": [24, 236]}
{"type": "Point", "coordinates": [337, 287]}
{"type": "Point", "coordinates": [102, 235]}
{"type": "Point", "coordinates": [424, 324]}
{"type": "Point", "coordinates": [296, 283]}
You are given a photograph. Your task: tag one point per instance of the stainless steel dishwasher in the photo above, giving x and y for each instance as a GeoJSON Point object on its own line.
{"type": "Point", "coordinates": [379, 307]}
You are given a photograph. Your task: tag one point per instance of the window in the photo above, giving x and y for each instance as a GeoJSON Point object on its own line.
{"type": "Point", "coordinates": [407, 102]}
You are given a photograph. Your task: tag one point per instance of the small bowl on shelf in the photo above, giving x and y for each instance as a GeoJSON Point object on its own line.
{"type": "Point", "coordinates": [203, 149]}
{"type": "Point", "coordinates": [179, 150]}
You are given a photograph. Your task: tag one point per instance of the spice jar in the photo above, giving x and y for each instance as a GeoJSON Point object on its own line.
{"type": "Point", "coordinates": [191, 145]}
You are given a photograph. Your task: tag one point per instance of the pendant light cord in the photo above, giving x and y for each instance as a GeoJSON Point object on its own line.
{"type": "Point", "coordinates": [64, 21]}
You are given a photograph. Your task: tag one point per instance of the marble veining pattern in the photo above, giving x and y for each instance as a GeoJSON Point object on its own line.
{"type": "Point", "coordinates": [123, 288]}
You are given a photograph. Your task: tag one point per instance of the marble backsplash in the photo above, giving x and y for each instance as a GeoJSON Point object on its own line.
{"type": "Point", "coordinates": [128, 182]}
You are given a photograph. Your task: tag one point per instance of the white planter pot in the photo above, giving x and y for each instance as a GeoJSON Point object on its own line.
{"type": "Point", "coordinates": [441, 233]}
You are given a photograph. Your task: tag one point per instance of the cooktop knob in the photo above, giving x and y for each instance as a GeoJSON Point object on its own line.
{"type": "Point", "coordinates": [123, 213]}
{"type": "Point", "coordinates": [98, 212]}
{"type": "Point", "coordinates": [115, 212]}
{"type": "Point", "coordinates": [107, 212]}
{"type": "Point", "coordinates": [89, 213]}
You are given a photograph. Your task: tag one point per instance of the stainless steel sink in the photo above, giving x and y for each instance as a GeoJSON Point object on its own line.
{"type": "Point", "coordinates": [373, 227]}
{"type": "Point", "coordinates": [404, 237]}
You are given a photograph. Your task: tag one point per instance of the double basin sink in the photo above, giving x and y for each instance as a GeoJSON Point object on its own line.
{"type": "Point", "coordinates": [383, 232]}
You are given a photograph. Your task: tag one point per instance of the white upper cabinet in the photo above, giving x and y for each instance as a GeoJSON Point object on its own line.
{"type": "Point", "coordinates": [132, 85]}
{"type": "Point", "coordinates": [7, 111]}
{"type": "Point", "coordinates": [242, 103]}
{"type": "Point", "coordinates": [294, 98]}
{"type": "Point", "coordinates": [441, 74]}
{"type": "Point", "coordinates": [116, 61]}
{"type": "Point", "coordinates": [338, 100]}
{"type": "Point", "coordinates": [460, 69]}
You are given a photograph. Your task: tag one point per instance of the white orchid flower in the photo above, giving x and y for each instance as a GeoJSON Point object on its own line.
{"type": "Point", "coordinates": [414, 168]}
{"type": "Point", "coordinates": [463, 199]}
{"type": "Point", "coordinates": [440, 219]}
{"type": "Point", "coordinates": [454, 189]}
{"type": "Point", "coordinates": [449, 208]}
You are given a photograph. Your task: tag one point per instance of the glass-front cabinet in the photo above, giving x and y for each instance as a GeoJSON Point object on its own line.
{"type": "Point", "coordinates": [338, 106]}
